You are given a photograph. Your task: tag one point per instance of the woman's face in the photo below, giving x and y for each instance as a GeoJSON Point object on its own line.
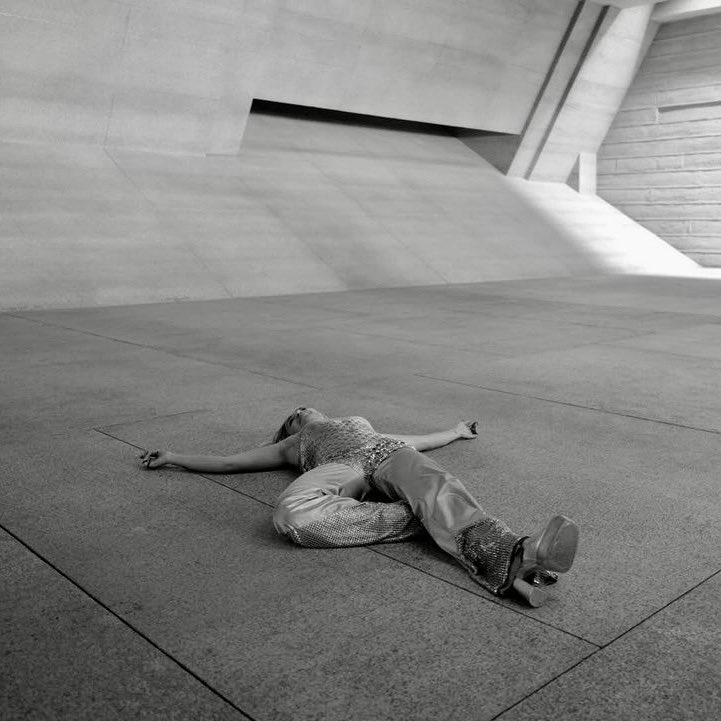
{"type": "Point", "coordinates": [301, 416]}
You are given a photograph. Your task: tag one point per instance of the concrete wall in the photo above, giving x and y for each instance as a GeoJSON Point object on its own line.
{"type": "Point", "coordinates": [179, 75]}
{"type": "Point", "coordinates": [306, 206]}
{"type": "Point", "coordinates": [661, 161]}
{"type": "Point", "coordinates": [584, 87]}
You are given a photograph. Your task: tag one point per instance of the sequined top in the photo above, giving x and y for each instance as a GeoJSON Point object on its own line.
{"type": "Point", "coordinates": [351, 441]}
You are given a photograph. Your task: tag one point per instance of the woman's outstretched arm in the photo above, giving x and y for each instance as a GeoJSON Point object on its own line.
{"type": "Point", "coordinates": [265, 458]}
{"type": "Point", "coordinates": [429, 441]}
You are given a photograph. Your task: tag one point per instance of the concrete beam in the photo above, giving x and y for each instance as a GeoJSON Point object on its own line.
{"type": "Point", "coordinates": [626, 3]}
{"type": "Point", "coordinates": [593, 95]}
{"type": "Point", "coordinates": [674, 10]}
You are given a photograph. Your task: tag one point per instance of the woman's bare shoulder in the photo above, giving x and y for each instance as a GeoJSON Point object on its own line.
{"type": "Point", "coordinates": [359, 419]}
{"type": "Point", "coordinates": [290, 447]}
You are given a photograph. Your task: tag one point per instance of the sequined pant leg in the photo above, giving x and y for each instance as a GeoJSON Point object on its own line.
{"type": "Point", "coordinates": [455, 520]}
{"type": "Point", "coordinates": [323, 508]}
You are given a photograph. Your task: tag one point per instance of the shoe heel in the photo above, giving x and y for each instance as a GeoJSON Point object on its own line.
{"type": "Point", "coordinates": [533, 595]}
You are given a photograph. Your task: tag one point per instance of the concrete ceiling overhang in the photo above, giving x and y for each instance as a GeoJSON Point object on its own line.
{"type": "Point", "coordinates": [667, 11]}
{"type": "Point", "coordinates": [673, 10]}
{"type": "Point", "coordinates": [626, 3]}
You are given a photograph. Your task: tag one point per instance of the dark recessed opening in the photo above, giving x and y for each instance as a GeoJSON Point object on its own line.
{"type": "Point", "coordinates": [270, 107]}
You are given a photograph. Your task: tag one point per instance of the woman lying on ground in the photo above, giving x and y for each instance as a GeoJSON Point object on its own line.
{"type": "Point", "coordinates": [344, 460]}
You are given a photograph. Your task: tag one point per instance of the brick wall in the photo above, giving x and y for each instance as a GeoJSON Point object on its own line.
{"type": "Point", "coordinates": [661, 160]}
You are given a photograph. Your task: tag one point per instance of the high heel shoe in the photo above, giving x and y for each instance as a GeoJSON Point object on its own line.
{"type": "Point", "coordinates": [549, 551]}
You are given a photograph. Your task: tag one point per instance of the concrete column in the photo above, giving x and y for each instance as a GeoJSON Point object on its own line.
{"type": "Point", "coordinates": [592, 102]}
{"type": "Point", "coordinates": [583, 175]}
{"type": "Point", "coordinates": [559, 80]}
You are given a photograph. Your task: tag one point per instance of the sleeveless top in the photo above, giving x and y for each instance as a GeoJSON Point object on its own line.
{"type": "Point", "coordinates": [351, 441]}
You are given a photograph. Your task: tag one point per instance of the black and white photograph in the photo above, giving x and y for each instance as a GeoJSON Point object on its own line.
{"type": "Point", "coordinates": [360, 360]}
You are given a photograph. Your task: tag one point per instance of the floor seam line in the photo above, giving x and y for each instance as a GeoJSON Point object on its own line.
{"type": "Point", "coordinates": [659, 610]}
{"type": "Point", "coordinates": [158, 349]}
{"type": "Point", "coordinates": [494, 601]}
{"type": "Point", "coordinates": [618, 344]}
{"type": "Point", "coordinates": [495, 355]}
{"type": "Point", "coordinates": [102, 428]}
{"type": "Point", "coordinates": [547, 683]}
{"type": "Point", "coordinates": [607, 645]}
{"type": "Point", "coordinates": [703, 319]}
{"type": "Point", "coordinates": [126, 623]}
{"type": "Point", "coordinates": [569, 404]}
{"type": "Point", "coordinates": [205, 476]}
{"type": "Point", "coordinates": [574, 304]}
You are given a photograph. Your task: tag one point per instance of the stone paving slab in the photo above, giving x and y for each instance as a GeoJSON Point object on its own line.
{"type": "Point", "coordinates": [701, 340]}
{"type": "Point", "coordinates": [66, 657]}
{"type": "Point", "coordinates": [667, 669]}
{"type": "Point", "coordinates": [626, 482]}
{"type": "Point", "coordinates": [478, 332]}
{"type": "Point", "coordinates": [655, 293]}
{"type": "Point", "coordinates": [640, 320]}
{"type": "Point", "coordinates": [282, 632]}
{"type": "Point", "coordinates": [303, 354]}
{"type": "Point", "coordinates": [434, 302]}
{"type": "Point", "coordinates": [82, 380]}
{"type": "Point", "coordinates": [148, 322]}
{"type": "Point", "coordinates": [645, 496]}
{"type": "Point", "coordinates": [348, 351]}
{"type": "Point", "coordinates": [661, 386]}
{"type": "Point", "coordinates": [556, 436]}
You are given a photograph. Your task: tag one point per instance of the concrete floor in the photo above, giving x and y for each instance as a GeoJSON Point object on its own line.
{"type": "Point", "coordinates": [129, 594]}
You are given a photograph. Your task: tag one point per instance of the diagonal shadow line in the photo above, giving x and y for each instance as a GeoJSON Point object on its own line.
{"type": "Point", "coordinates": [127, 624]}
{"type": "Point", "coordinates": [569, 404]}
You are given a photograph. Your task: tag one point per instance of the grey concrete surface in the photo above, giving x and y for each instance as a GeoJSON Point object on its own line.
{"type": "Point", "coordinates": [595, 397]}
{"type": "Point", "coordinates": [198, 569]}
{"type": "Point", "coordinates": [566, 459]}
{"type": "Point", "coordinates": [667, 668]}
{"type": "Point", "coordinates": [65, 656]}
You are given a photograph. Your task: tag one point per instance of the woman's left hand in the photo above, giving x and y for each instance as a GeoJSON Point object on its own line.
{"type": "Point", "coordinates": [154, 459]}
{"type": "Point", "coordinates": [467, 429]}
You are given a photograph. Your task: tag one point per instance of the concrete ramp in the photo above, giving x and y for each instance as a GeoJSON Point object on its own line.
{"type": "Point", "coordinates": [307, 206]}
{"type": "Point", "coordinates": [620, 244]}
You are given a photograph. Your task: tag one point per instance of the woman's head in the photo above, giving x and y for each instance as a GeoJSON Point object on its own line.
{"type": "Point", "coordinates": [295, 421]}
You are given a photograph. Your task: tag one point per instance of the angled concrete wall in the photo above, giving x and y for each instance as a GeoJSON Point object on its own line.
{"type": "Point", "coordinates": [179, 75]}
{"type": "Point", "coordinates": [594, 65]}
{"type": "Point", "coordinates": [306, 206]}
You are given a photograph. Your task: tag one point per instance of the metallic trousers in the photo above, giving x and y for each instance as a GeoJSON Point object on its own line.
{"type": "Point", "coordinates": [326, 507]}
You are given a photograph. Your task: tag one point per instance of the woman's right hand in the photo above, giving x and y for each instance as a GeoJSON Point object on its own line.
{"type": "Point", "coordinates": [155, 459]}
{"type": "Point", "coordinates": [467, 429]}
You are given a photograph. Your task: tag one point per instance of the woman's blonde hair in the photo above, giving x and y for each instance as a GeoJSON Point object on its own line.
{"type": "Point", "coordinates": [284, 431]}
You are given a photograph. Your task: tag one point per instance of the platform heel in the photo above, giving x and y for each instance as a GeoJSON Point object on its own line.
{"type": "Point", "coordinates": [545, 554]}
{"type": "Point", "coordinates": [533, 595]}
